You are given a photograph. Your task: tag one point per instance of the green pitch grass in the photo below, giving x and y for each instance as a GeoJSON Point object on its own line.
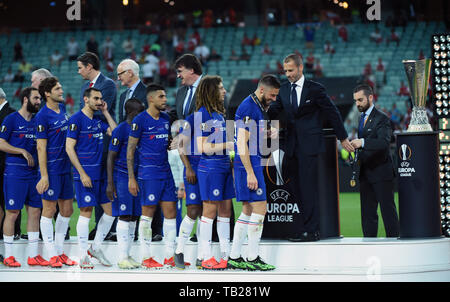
{"type": "Point", "coordinates": [349, 208]}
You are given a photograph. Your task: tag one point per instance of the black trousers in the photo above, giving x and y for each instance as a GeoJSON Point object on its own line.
{"type": "Point", "coordinates": [306, 189]}
{"type": "Point", "coordinates": [372, 194]}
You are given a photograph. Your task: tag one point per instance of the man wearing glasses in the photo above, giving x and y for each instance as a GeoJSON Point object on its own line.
{"type": "Point", "coordinates": [128, 75]}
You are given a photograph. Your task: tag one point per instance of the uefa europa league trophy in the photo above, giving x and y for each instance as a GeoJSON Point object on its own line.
{"type": "Point", "coordinates": [418, 74]}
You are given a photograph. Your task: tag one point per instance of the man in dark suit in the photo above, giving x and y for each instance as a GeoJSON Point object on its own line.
{"type": "Point", "coordinates": [5, 110]}
{"type": "Point", "coordinates": [376, 174]}
{"type": "Point", "coordinates": [189, 71]}
{"type": "Point", "coordinates": [306, 105]}
{"type": "Point", "coordinates": [89, 69]}
{"type": "Point", "coordinates": [128, 75]}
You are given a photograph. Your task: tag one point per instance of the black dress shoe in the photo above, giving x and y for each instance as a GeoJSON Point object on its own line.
{"type": "Point", "coordinates": [194, 238]}
{"type": "Point", "coordinates": [157, 237]}
{"type": "Point", "coordinates": [305, 237]}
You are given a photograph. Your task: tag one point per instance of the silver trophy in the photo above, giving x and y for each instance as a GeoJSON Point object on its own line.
{"type": "Point", "coordinates": [418, 74]}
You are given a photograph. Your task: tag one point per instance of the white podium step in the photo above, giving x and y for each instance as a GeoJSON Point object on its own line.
{"type": "Point", "coordinates": [346, 259]}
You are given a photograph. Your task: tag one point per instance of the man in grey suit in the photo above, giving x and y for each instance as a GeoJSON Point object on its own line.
{"type": "Point", "coordinates": [128, 75]}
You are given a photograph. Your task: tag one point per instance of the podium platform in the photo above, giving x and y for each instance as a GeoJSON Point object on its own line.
{"type": "Point", "coordinates": [345, 259]}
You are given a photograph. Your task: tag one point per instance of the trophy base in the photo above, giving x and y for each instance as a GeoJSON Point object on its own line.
{"type": "Point", "coordinates": [420, 128]}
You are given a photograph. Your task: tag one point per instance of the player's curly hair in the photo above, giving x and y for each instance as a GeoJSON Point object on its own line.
{"type": "Point", "coordinates": [208, 95]}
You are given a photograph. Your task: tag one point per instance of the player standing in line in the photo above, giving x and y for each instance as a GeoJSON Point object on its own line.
{"type": "Point", "coordinates": [84, 145]}
{"type": "Point", "coordinates": [124, 205]}
{"type": "Point", "coordinates": [251, 128]}
{"type": "Point", "coordinates": [214, 169]}
{"type": "Point", "coordinates": [55, 184]}
{"type": "Point", "coordinates": [150, 135]}
{"type": "Point", "coordinates": [190, 158]}
{"type": "Point", "coordinates": [18, 141]}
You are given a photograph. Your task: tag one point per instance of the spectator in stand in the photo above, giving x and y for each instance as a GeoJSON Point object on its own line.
{"type": "Point", "coordinates": [256, 40]}
{"type": "Point", "coordinates": [246, 41]}
{"type": "Point", "coordinates": [380, 65]}
{"type": "Point", "coordinates": [164, 67]}
{"type": "Point", "coordinates": [367, 69]}
{"type": "Point", "coordinates": [202, 52]}
{"type": "Point", "coordinates": [25, 67]}
{"type": "Point", "coordinates": [128, 47]}
{"type": "Point", "coordinates": [318, 69]}
{"type": "Point", "coordinates": [309, 33]}
{"type": "Point", "coordinates": [150, 68]}
{"type": "Point", "coordinates": [214, 56]}
{"type": "Point", "coordinates": [343, 33]}
{"type": "Point", "coordinates": [146, 48]}
{"type": "Point", "coordinates": [328, 48]}
{"type": "Point", "coordinates": [70, 102]}
{"type": "Point", "coordinates": [72, 49]}
{"type": "Point", "coordinates": [376, 36]}
{"type": "Point", "coordinates": [56, 58]}
{"type": "Point", "coordinates": [309, 64]}
{"type": "Point", "coordinates": [19, 77]}
{"type": "Point", "coordinates": [92, 45]}
{"type": "Point", "coordinates": [244, 55]}
{"type": "Point", "coordinates": [108, 49]}
{"type": "Point", "coordinates": [9, 76]}
{"type": "Point", "coordinates": [18, 54]}
{"type": "Point", "coordinates": [394, 37]}
{"type": "Point", "coordinates": [280, 68]}
{"type": "Point", "coordinates": [233, 56]}
{"type": "Point", "coordinates": [179, 49]}
{"type": "Point", "coordinates": [192, 43]}
{"type": "Point", "coordinates": [208, 18]}
{"type": "Point", "coordinates": [266, 50]}
{"type": "Point", "coordinates": [403, 91]}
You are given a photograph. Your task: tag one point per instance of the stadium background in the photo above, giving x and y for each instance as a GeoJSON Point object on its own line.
{"type": "Point", "coordinates": [41, 27]}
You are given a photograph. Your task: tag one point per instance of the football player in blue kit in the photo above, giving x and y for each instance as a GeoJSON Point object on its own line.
{"type": "Point", "coordinates": [84, 145]}
{"type": "Point", "coordinates": [18, 141]}
{"type": "Point", "coordinates": [251, 123]}
{"type": "Point", "coordinates": [214, 169]}
{"type": "Point", "coordinates": [124, 205]}
{"type": "Point", "coordinates": [149, 135]}
{"type": "Point", "coordinates": [190, 157]}
{"type": "Point", "coordinates": [55, 183]}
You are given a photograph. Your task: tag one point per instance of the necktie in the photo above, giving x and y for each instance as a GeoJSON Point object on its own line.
{"type": "Point", "coordinates": [294, 101]}
{"type": "Point", "coordinates": [91, 84]}
{"type": "Point", "coordinates": [361, 124]}
{"type": "Point", "coordinates": [188, 102]}
{"type": "Point", "coordinates": [127, 97]}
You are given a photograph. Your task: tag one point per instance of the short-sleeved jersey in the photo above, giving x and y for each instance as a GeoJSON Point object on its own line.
{"type": "Point", "coordinates": [213, 126]}
{"type": "Point", "coordinates": [119, 144]}
{"type": "Point", "coordinates": [188, 131]}
{"type": "Point", "coordinates": [53, 126]}
{"type": "Point", "coordinates": [19, 133]}
{"type": "Point", "coordinates": [153, 138]}
{"type": "Point", "coordinates": [89, 147]}
{"type": "Point", "coordinates": [250, 117]}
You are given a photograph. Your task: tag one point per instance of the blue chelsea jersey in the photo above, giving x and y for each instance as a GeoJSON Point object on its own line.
{"type": "Point", "coordinates": [119, 144]}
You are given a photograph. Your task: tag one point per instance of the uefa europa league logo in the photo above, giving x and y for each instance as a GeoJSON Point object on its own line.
{"type": "Point", "coordinates": [405, 152]}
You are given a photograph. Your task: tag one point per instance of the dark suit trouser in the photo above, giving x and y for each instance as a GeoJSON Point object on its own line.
{"type": "Point", "coordinates": [372, 194]}
{"type": "Point", "coordinates": [307, 177]}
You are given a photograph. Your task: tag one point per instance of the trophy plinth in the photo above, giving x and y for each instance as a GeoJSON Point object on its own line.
{"type": "Point", "coordinates": [418, 74]}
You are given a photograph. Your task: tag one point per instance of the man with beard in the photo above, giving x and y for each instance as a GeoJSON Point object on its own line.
{"type": "Point", "coordinates": [84, 145]}
{"type": "Point", "coordinates": [307, 107]}
{"type": "Point", "coordinates": [150, 136]}
{"type": "Point", "coordinates": [376, 169]}
{"type": "Point", "coordinates": [17, 140]}
{"type": "Point", "coordinates": [251, 128]}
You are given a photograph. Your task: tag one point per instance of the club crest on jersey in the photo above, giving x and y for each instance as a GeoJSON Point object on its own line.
{"type": "Point", "coordinates": [73, 127]}
{"type": "Point", "coordinates": [134, 127]}
{"type": "Point", "coordinates": [40, 128]}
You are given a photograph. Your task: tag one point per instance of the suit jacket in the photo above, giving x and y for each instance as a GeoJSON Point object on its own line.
{"type": "Point", "coordinates": [109, 93]}
{"type": "Point", "coordinates": [6, 110]}
{"type": "Point", "coordinates": [304, 127]}
{"type": "Point", "coordinates": [139, 93]}
{"type": "Point", "coordinates": [177, 112]}
{"type": "Point", "coordinates": [375, 158]}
